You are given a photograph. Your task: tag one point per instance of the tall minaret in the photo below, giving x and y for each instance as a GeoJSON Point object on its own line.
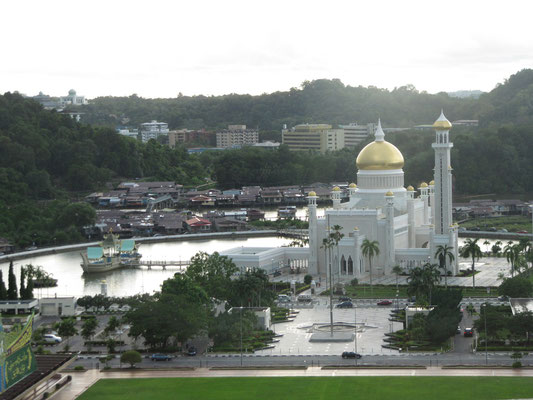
{"type": "Point", "coordinates": [313, 240]}
{"type": "Point", "coordinates": [389, 233]}
{"type": "Point", "coordinates": [443, 176]}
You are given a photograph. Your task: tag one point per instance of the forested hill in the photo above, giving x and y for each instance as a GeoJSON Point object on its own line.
{"type": "Point", "coordinates": [320, 101]}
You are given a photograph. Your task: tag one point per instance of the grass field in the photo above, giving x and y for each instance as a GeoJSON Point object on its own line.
{"type": "Point", "coordinates": [313, 388]}
{"type": "Point", "coordinates": [362, 291]}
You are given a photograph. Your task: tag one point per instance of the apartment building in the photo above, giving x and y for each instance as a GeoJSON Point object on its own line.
{"type": "Point", "coordinates": [318, 137]}
{"type": "Point", "coordinates": [237, 136]}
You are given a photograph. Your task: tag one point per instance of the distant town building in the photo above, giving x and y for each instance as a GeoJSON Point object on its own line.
{"type": "Point", "coordinates": [184, 136]}
{"type": "Point", "coordinates": [466, 122]}
{"type": "Point", "coordinates": [132, 133]}
{"type": "Point", "coordinates": [237, 136]}
{"type": "Point", "coordinates": [318, 137]}
{"type": "Point", "coordinates": [72, 99]}
{"type": "Point", "coordinates": [153, 130]}
{"type": "Point", "coordinates": [355, 133]}
{"type": "Point", "coordinates": [267, 145]}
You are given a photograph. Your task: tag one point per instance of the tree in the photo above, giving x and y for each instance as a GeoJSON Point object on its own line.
{"type": "Point", "coordinates": [517, 287]}
{"type": "Point", "coordinates": [370, 249]}
{"type": "Point", "coordinates": [213, 273]}
{"type": "Point", "coordinates": [421, 282]}
{"type": "Point", "coordinates": [496, 249]}
{"type": "Point", "coordinates": [397, 270]}
{"type": "Point", "coordinates": [512, 255]}
{"type": "Point", "coordinates": [308, 279]}
{"type": "Point", "coordinates": [444, 254]}
{"type": "Point", "coordinates": [336, 236]}
{"type": "Point", "coordinates": [471, 249]}
{"type": "Point", "coordinates": [22, 289]}
{"type": "Point", "coordinates": [88, 328]}
{"type": "Point", "coordinates": [131, 357]}
{"type": "Point", "coordinates": [66, 329]}
{"type": "Point", "coordinates": [487, 243]}
{"type": "Point", "coordinates": [12, 284]}
{"type": "Point", "coordinates": [3, 290]}
{"type": "Point", "coordinates": [112, 325]}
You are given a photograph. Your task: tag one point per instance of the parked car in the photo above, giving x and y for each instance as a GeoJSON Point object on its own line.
{"type": "Point", "coordinates": [384, 303]}
{"type": "Point", "coordinates": [305, 298]}
{"type": "Point", "coordinates": [191, 351]}
{"type": "Point", "coordinates": [344, 298]}
{"type": "Point", "coordinates": [351, 354]}
{"type": "Point", "coordinates": [283, 298]}
{"type": "Point", "coordinates": [277, 273]}
{"type": "Point", "coordinates": [522, 232]}
{"type": "Point", "coordinates": [51, 338]}
{"type": "Point", "coordinates": [469, 332]}
{"type": "Point", "coordinates": [345, 304]}
{"type": "Point", "coordinates": [161, 357]}
{"type": "Point", "coordinates": [503, 298]}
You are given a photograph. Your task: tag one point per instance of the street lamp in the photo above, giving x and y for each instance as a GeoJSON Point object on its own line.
{"type": "Point", "coordinates": [486, 337]}
{"type": "Point", "coordinates": [355, 330]}
{"type": "Point", "coordinates": [240, 308]}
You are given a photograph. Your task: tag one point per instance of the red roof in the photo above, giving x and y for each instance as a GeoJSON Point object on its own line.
{"type": "Point", "coordinates": [195, 221]}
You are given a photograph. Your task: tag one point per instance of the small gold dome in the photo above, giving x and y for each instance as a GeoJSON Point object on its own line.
{"type": "Point", "coordinates": [442, 123]}
{"type": "Point", "coordinates": [423, 185]}
{"type": "Point", "coordinates": [389, 193]}
{"type": "Point", "coordinates": [380, 156]}
{"type": "Point", "coordinates": [356, 228]}
{"type": "Point", "coordinates": [312, 193]}
{"type": "Point", "coordinates": [352, 186]}
{"type": "Point", "coordinates": [432, 183]}
{"type": "Point", "coordinates": [336, 189]}
{"type": "Point", "coordinates": [410, 188]}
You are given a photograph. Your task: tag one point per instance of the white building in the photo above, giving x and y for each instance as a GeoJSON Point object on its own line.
{"type": "Point", "coordinates": [355, 133]}
{"type": "Point", "coordinates": [380, 208]}
{"type": "Point", "coordinates": [153, 130]}
{"type": "Point", "coordinates": [57, 306]}
{"type": "Point", "coordinates": [237, 136]}
{"type": "Point", "coordinates": [72, 99]}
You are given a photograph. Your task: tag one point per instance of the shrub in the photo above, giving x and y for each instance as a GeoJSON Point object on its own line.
{"type": "Point", "coordinates": [131, 357]}
{"type": "Point", "coordinates": [517, 364]}
{"type": "Point", "coordinates": [79, 368]}
{"type": "Point", "coordinates": [308, 279]}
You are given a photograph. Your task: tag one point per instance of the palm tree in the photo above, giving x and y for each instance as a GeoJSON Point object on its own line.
{"type": "Point", "coordinates": [397, 270]}
{"type": "Point", "coordinates": [512, 255]}
{"type": "Point", "coordinates": [422, 280]}
{"type": "Point", "coordinates": [430, 277]}
{"type": "Point", "coordinates": [336, 237]}
{"type": "Point", "coordinates": [444, 253]}
{"type": "Point", "coordinates": [370, 250]}
{"type": "Point", "coordinates": [471, 249]}
{"type": "Point", "coordinates": [487, 243]}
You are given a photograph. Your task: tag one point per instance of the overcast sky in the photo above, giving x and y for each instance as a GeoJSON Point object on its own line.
{"type": "Point", "coordinates": [160, 48]}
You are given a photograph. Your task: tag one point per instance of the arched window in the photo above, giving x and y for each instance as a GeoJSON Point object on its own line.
{"type": "Point", "coordinates": [350, 266]}
{"type": "Point", "coordinates": [343, 265]}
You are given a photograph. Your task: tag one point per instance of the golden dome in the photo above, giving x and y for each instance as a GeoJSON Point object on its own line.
{"type": "Point", "coordinates": [352, 186]}
{"type": "Point", "coordinates": [380, 155]}
{"type": "Point", "coordinates": [312, 193]}
{"type": "Point", "coordinates": [410, 188]}
{"type": "Point", "coordinates": [442, 123]}
{"type": "Point", "coordinates": [356, 228]}
{"type": "Point", "coordinates": [423, 185]}
{"type": "Point", "coordinates": [336, 189]}
{"type": "Point", "coordinates": [432, 183]}
{"type": "Point", "coordinates": [389, 193]}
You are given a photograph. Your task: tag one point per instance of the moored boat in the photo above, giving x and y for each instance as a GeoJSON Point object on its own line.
{"type": "Point", "coordinates": [112, 254]}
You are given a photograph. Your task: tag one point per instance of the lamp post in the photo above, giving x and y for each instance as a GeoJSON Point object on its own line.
{"type": "Point", "coordinates": [355, 330]}
{"type": "Point", "coordinates": [241, 334]}
{"type": "Point", "coordinates": [486, 337]}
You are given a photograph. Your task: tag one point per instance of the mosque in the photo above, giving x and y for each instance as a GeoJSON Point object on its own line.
{"type": "Point", "coordinates": [408, 228]}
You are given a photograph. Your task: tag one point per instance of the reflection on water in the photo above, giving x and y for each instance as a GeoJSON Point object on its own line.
{"type": "Point", "coordinates": [65, 267]}
{"type": "Point", "coordinates": [126, 282]}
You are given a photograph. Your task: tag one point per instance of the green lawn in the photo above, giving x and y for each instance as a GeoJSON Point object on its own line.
{"type": "Point", "coordinates": [313, 388]}
{"type": "Point", "coordinates": [512, 223]}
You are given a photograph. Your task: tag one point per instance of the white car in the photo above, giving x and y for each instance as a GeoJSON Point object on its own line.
{"type": "Point", "coordinates": [50, 338]}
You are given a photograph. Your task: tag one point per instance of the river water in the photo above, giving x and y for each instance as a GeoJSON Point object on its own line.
{"type": "Point", "coordinates": [65, 267]}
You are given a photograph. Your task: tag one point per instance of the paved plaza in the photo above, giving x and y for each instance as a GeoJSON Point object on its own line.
{"type": "Point", "coordinates": [489, 268]}
{"type": "Point", "coordinates": [372, 323]}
